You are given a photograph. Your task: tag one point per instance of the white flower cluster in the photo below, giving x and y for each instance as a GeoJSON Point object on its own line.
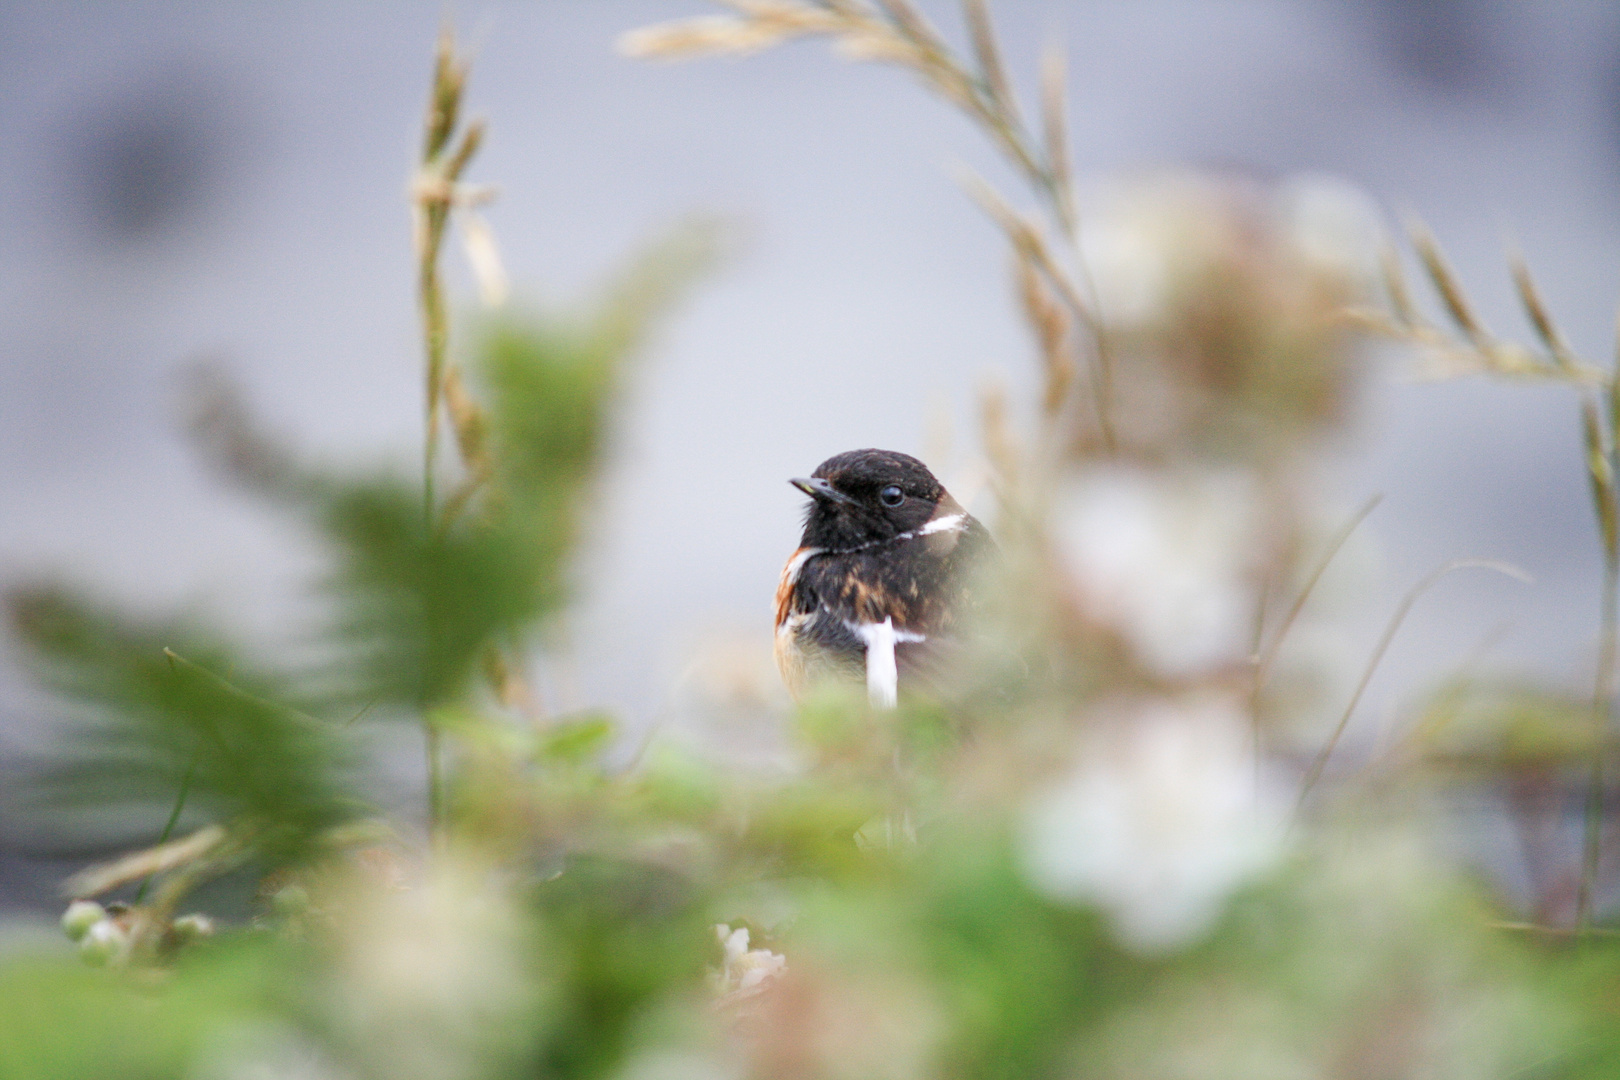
{"type": "Point", "coordinates": [435, 977]}
{"type": "Point", "coordinates": [108, 936]}
{"type": "Point", "coordinates": [1167, 561]}
{"type": "Point", "coordinates": [743, 969]}
{"type": "Point", "coordinates": [1147, 237]}
{"type": "Point", "coordinates": [1162, 817]}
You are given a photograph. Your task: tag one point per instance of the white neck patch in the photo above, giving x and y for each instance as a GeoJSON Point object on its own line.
{"type": "Point", "coordinates": [950, 522]}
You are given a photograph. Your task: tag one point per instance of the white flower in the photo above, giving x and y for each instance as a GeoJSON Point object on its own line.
{"type": "Point", "coordinates": [1167, 562]}
{"type": "Point", "coordinates": [1162, 817]}
{"type": "Point", "coordinates": [1150, 237]}
{"type": "Point", "coordinates": [1333, 226]}
{"type": "Point", "coordinates": [80, 916]}
{"type": "Point", "coordinates": [105, 942]}
{"type": "Point", "coordinates": [436, 979]}
{"type": "Point", "coordinates": [743, 968]}
{"type": "Point", "coordinates": [1139, 240]}
{"type": "Point", "coordinates": [194, 926]}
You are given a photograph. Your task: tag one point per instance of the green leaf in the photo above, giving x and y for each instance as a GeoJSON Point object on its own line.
{"type": "Point", "coordinates": [417, 607]}
{"type": "Point", "coordinates": [159, 701]}
{"type": "Point", "coordinates": [578, 740]}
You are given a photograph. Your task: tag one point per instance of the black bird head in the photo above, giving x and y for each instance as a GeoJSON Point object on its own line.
{"type": "Point", "coordinates": [868, 496]}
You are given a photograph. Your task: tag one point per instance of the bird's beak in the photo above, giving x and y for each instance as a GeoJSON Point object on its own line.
{"type": "Point", "coordinates": [817, 488]}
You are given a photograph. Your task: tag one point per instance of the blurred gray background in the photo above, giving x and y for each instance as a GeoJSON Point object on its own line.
{"type": "Point", "coordinates": [180, 181]}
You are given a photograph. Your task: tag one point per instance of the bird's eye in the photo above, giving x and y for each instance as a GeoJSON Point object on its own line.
{"type": "Point", "coordinates": [892, 496]}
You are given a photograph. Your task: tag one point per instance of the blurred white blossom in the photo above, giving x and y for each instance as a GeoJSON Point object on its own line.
{"type": "Point", "coordinates": [80, 916]}
{"type": "Point", "coordinates": [1139, 239]}
{"type": "Point", "coordinates": [1163, 815]}
{"type": "Point", "coordinates": [1169, 562]}
{"type": "Point", "coordinates": [193, 926]}
{"type": "Point", "coordinates": [105, 942]}
{"type": "Point", "coordinates": [743, 969]}
{"type": "Point", "coordinates": [1334, 227]}
{"type": "Point", "coordinates": [437, 979]}
{"type": "Point", "coordinates": [664, 1063]}
{"type": "Point", "coordinates": [1149, 237]}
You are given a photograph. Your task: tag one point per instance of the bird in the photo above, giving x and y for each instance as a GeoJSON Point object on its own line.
{"type": "Point", "coordinates": [882, 580]}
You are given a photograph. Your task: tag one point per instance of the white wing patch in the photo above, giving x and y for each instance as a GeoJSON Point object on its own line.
{"type": "Point", "coordinates": [882, 673]}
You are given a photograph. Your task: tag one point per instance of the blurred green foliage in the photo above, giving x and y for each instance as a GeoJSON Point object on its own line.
{"type": "Point", "coordinates": [165, 715]}
{"type": "Point", "coordinates": [65, 1020]}
{"type": "Point", "coordinates": [156, 712]}
{"type": "Point", "coordinates": [418, 605]}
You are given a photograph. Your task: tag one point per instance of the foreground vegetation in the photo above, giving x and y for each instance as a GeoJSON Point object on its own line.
{"type": "Point", "coordinates": [1121, 844]}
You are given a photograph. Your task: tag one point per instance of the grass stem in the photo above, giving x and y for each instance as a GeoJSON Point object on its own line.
{"type": "Point", "coordinates": [168, 826]}
{"type": "Point", "coordinates": [1602, 710]}
{"type": "Point", "coordinates": [435, 194]}
{"type": "Point", "coordinates": [1317, 766]}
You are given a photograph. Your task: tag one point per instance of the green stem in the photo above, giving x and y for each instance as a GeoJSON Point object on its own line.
{"type": "Point", "coordinates": [174, 818]}
{"type": "Point", "coordinates": [433, 334]}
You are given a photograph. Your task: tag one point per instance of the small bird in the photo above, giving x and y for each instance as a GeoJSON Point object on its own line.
{"type": "Point", "coordinates": [881, 579]}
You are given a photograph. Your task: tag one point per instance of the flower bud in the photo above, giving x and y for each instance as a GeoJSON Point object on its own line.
{"type": "Point", "coordinates": [104, 943]}
{"type": "Point", "coordinates": [80, 916]}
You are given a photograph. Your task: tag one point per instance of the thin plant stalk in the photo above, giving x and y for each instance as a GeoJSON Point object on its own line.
{"type": "Point", "coordinates": [1263, 661]}
{"type": "Point", "coordinates": [1480, 351]}
{"type": "Point", "coordinates": [168, 826]}
{"type": "Point", "coordinates": [1314, 774]}
{"type": "Point", "coordinates": [1602, 712]}
{"type": "Point", "coordinates": [179, 799]}
{"type": "Point", "coordinates": [1599, 438]}
{"type": "Point", "coordinates": [896, 32]}
{"type": "Point", "coordinates": [437, 192]}
{"type": "Point", "coordinates": [1264, 658]}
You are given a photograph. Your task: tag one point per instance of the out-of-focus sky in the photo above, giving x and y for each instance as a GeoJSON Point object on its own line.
{"type": "Point", "coordinates": [185, 180]}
